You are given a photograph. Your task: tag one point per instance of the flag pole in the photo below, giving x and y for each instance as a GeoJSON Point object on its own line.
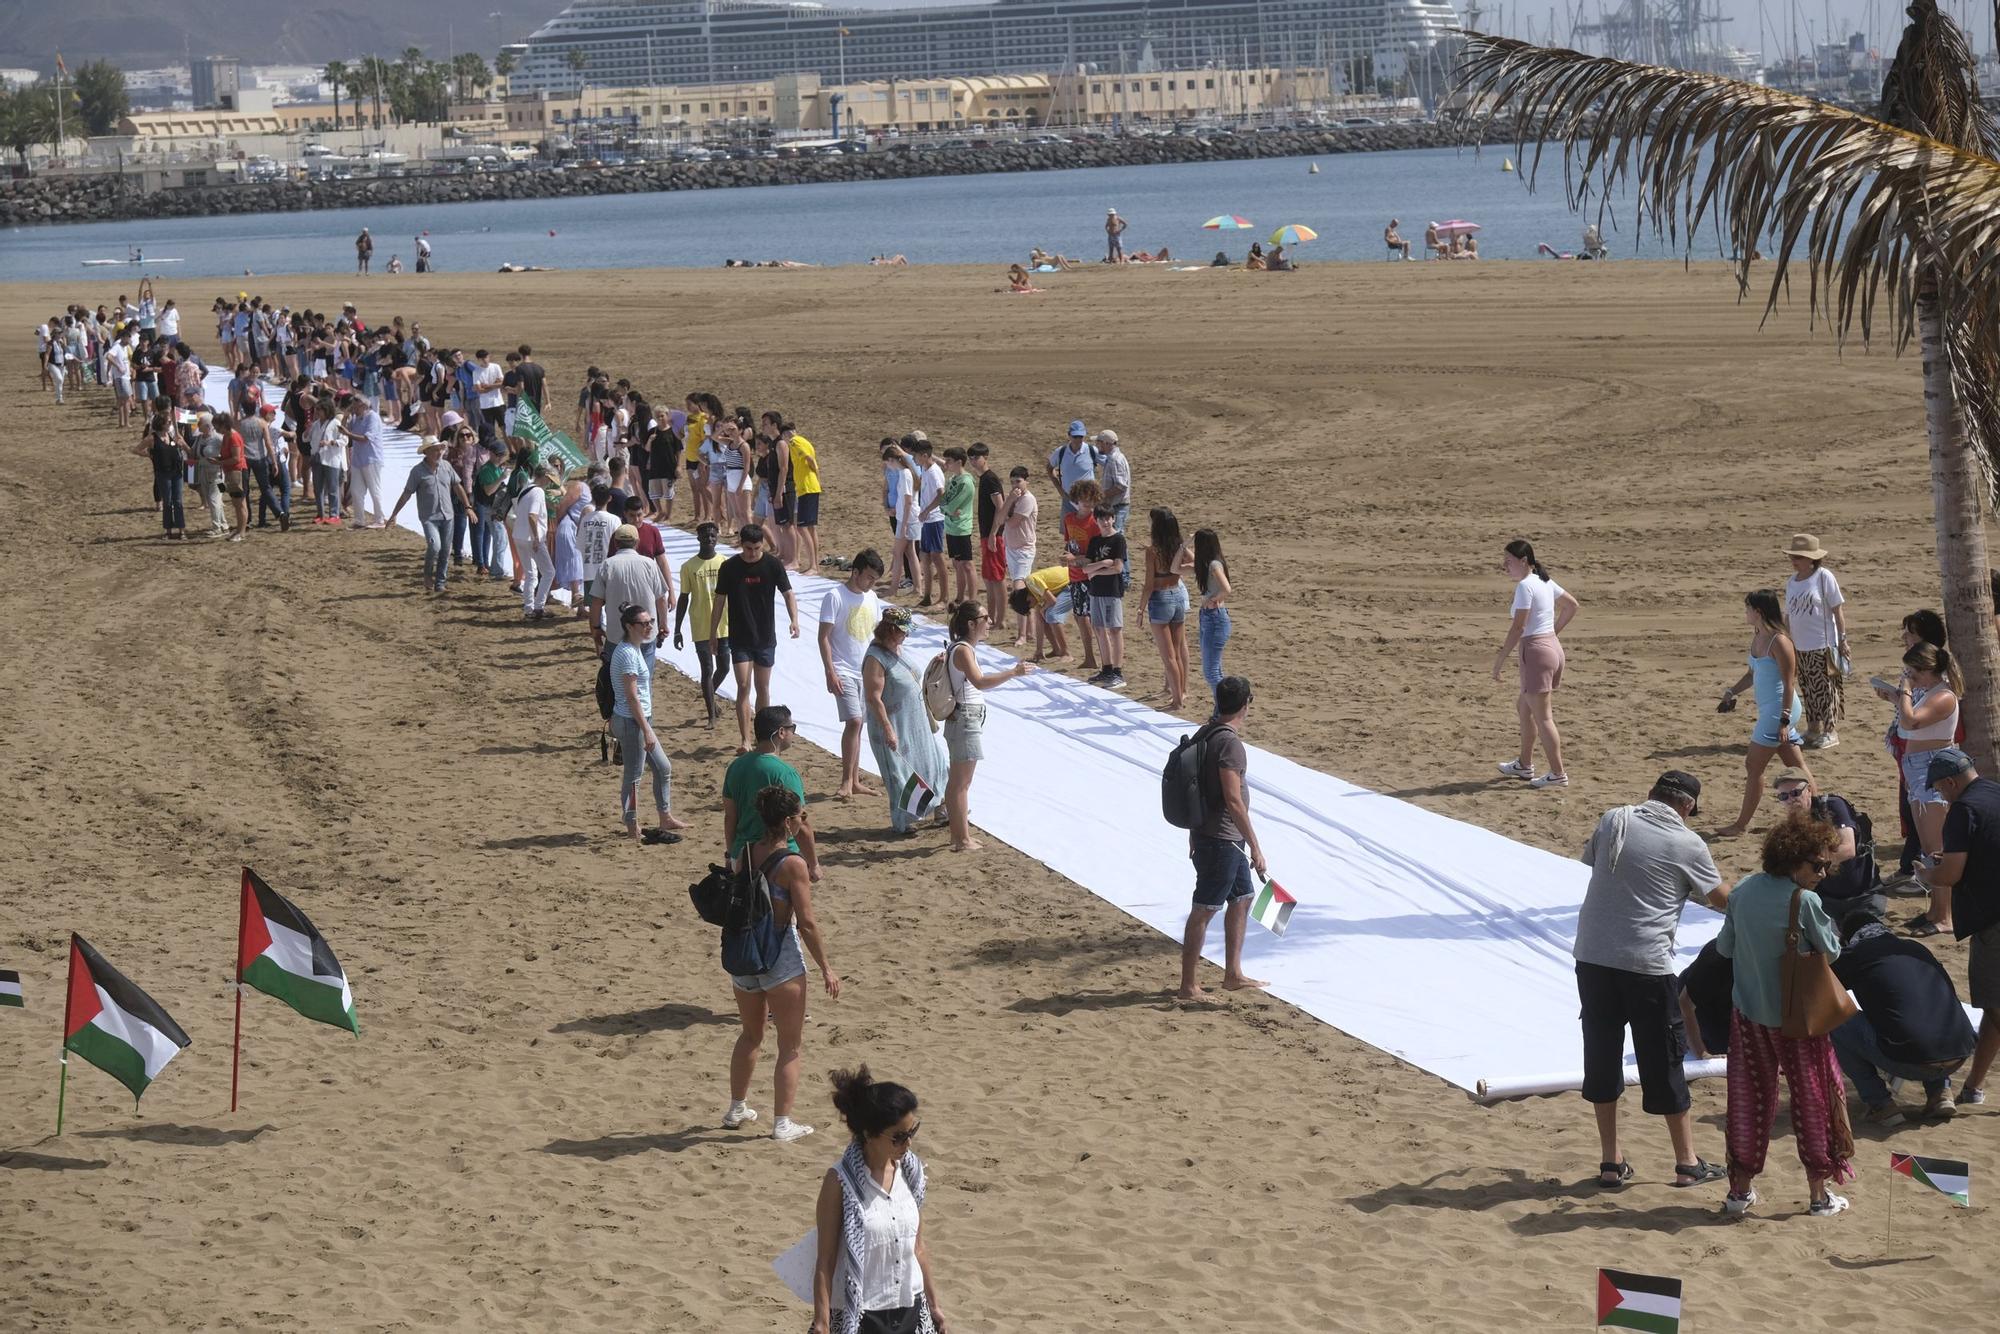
{"type": "Point", "coordinates": [1888, 1214]}
{"type": "Point", "coordinates": [69, 1006]}
{"type": "Point", "coordinates": [236, 1044]}
{"type": "Point", "coordinates": [236, 985]}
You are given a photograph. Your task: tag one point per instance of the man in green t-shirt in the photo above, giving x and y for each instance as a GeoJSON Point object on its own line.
{"type": "Point", "coordinates": [751, 773]}
{"type": "Point", "coordinates": [956, 502]}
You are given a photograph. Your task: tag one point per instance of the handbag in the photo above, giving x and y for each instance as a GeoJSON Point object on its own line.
{"type": "Point", "coordinates": [1815, 1003]}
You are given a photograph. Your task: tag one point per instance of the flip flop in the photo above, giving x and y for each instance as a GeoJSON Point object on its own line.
{"type": "Point", "coordinates": [1924, 927]}
{"type": "Point", "coordinates": [1621, 1169]}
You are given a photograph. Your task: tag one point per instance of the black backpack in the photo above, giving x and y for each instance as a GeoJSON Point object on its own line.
{"type": "Point", "coordinates": [751, 940]}
{"type": "Point", "coordinates": [710, 895]}
{"type": "Point", "coordinates": [1184, 780]}
{"type": "Point", "coordinates": [607, 696]}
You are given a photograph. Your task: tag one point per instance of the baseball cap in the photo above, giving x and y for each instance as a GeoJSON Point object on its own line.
{"type": "Point", "coordinates": [1947, 763]}
{"type": "Point", "coordinates": [1679, 783]}
{"type": "Point", "coordinates": [1076, 428]}
{"type": "Point", "coordinates": [1107, 437]}
{"type": "Point", "coordinates": [626, 536]}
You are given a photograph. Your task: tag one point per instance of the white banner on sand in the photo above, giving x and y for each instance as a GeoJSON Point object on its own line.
{"type": "Point", "coordinates": [1442, 943]}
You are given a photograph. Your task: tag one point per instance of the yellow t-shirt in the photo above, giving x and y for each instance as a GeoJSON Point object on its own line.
{"type": "Point", "coordinates": [1047, 585]}
{"type": "Point", "coordinates": [698, 582]}
{"type": "Point", "coordinates": [805, 467]}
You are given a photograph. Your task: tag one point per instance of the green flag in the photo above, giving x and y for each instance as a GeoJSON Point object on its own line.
{"type": "Point", "coordinates": [549, 444]}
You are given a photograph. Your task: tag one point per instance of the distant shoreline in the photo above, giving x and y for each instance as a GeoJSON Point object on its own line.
{"type": "Point", "coordinates": [55, 201]}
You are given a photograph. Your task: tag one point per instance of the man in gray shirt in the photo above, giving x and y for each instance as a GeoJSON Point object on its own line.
{"type": "Point", "coordinates": [433, 482]}
{"type": "Point", "coordinates": [627, 577]}
{"type": "Point", "coordinates": [1645, 864]}
{"type": "Point", "coordinates": [1116, 477]}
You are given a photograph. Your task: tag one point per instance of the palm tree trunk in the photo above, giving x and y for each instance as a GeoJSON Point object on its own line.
{"type": "Point", "coordinates": [1958, 501]}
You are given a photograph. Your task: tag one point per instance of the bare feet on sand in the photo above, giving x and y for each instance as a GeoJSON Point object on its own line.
{"type": "Point", "coordinates": [970, 845]}
{"type": "Point", "coordinates": [1244, 984]}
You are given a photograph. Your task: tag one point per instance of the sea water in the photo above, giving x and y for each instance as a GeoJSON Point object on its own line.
{"type": "Point", "coordinates": [989, 219]}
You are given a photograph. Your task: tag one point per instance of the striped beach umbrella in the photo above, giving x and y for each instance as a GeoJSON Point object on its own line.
{"type": "Point", "coordinates": [1293, 233]}
{"type": "Point", "coordinates": [1228, 222]}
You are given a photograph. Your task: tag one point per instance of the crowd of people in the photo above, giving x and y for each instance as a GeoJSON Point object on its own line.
{"type": "Point", "coordinates": [305, 419]}
{"type": "Point", "coordinates": [1820, 897]}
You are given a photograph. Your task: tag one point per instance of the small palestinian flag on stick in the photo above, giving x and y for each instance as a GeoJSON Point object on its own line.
{"type": "Point", "coordinates": [279, 952]}
{"type": "Point", "coordinates": [1638, 1301]}
{"type": "Point", "coordinates": [1950, 1179]}
{"type": "Point", "coordinates": [1273, 907]}
{"type": "Point", "coordinates": [10, 988]}
{"type": "Point", "coordinates": [917, 796]}
{"type": "Point", "coordinates": [114, 1025]}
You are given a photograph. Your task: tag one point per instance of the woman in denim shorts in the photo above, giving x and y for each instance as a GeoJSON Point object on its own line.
{"type": "Point", "coordinates": [1168, 556]}
{"type": "Point", "coordinates": [964, 729]}
{"type": "Point", "coordinates": [778, 993]}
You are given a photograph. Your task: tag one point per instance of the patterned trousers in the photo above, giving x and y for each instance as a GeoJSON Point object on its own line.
{"type": "Point", "coordinates": [1822, 689]}
{"type": "Point", "coordinates": [1757, 1055]}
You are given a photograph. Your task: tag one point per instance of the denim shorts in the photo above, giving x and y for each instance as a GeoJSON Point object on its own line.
{"type": "Point", "coordinates": [1057, 612]}
{"type": "Point", "coordinates": [1167, 606]}
{"type": "Point", "coordinates": [1916, 778]}
{"type": "Point", "coordinates": [791, 964]}
{"type": "Point", "coordinates": [962, 733]}
{"type": "Point", "coordinates": [762, 656]}
{"type": "Point", "coordinates": [1221, 871]}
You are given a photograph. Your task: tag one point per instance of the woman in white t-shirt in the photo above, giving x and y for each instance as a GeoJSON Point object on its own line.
{"type": "Point", "coordinates": [1541, 609]}
{"type": "Point", "coordinates": [1817, 620]}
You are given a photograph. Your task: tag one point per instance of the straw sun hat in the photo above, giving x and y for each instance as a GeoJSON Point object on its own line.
{"type": "Point", "coordinates": [1806, 545]}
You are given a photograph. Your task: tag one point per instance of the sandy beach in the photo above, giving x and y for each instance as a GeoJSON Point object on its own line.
{"type": "Point", "coordinates": [526, 1135]}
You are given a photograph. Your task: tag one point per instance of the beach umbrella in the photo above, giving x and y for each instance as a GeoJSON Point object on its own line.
{"type": "Point", "coordinates": [1457, 226]}
{"type": "Point", "coordinates": [1293, 233]}
{"type": "Point", "coordinates": [1228, 222]}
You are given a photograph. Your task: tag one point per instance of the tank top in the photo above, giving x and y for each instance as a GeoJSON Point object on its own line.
{"type": "Point", "coordinates": [1944, 729]}
{"type": "Point", "coordinates": [963, 692]}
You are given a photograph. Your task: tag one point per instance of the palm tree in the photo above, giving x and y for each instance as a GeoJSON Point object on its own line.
{"type": "Point", "coordinates": [1893, 218]}
{"type": "Point", "coordinates": [503, 64]}
{"type": "Point", "coordinates": [335, 73]}
{"type": "Point", "coordinates": [576, 58]}
{"type": "Point", "coordinates": [468, 68]}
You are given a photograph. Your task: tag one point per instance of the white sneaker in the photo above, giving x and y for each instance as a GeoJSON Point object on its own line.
{"type": "Point", "coordinates": [1738, 1205]}
{"type": "Point", "coordinates": [787, 1130]}
{"type": "Point", "coordinates": [1549, 780]}
{"type": "Point", "coordinates": [1828, 1207]}
{"type": "Point", "coordinates": [737, 1114]}
{"type": "Point", "coordinates": [1515, 769]}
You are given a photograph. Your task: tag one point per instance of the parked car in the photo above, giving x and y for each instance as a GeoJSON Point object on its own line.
{"type": "Point", "coordinates": [1357, 122]}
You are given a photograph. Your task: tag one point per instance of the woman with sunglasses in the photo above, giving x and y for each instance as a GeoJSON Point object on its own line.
{"type": "Point", "coordinates": [1797, 855]}
{"type": "Point", "coordinates": [873, 1271]}
{"type": "Point", "coordinates": [968, 627]}
{"type": "Point", "coordinates": [632, 725]}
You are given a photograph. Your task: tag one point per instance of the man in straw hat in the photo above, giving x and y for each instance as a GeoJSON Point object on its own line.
{"type": "Point", "coordinates": [435, 484]}
{"type": "Point", "coordinates": [1114, 232]}
{"type": "Point", "coordinates": [1816, 617]}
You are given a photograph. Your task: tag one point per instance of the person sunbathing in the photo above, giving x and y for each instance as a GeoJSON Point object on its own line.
{"type": "Point", "coordinates": [1017, 280]}
{"type": "Point", "coordinates": [1042, 259]}
{"type": "Point", "coordinates": [888, 260]}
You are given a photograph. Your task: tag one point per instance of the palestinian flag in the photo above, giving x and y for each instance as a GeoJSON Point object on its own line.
{"type": "Point", "coordinates": [916, 796]}
{"type": "Point", "coordinates": [1273, 907]}
{"type": "Point", "coordinates": [1638, 1301]}
{"type": "Point", "coordinates": [1948, 1178]}
{"type": "Point", "coordinates": [280, 954]}
{"type": "Point", "coordinates": [10, 988]}
{"type": "Point", "coordinates": [114, 1025]}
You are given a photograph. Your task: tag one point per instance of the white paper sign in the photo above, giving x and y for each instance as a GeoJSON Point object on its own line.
{"type": "Point", "coordinates": [795, 1266]}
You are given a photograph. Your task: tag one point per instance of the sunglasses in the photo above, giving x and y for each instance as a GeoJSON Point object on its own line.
{"type": "Point", "coordinates": [901, 1138]}
{"type": "Point", "coordinates": [1790, 793]}
{"type": "Point", "coordinates": [1823, 867]}
{"type": "Point", "coordinates": [642, 620]}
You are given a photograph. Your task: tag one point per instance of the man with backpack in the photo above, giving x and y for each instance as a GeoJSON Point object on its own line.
{"type": "Point", "coordinates": [1073, 462]}
{"type": "Point", "coordinates": [1222, 843]}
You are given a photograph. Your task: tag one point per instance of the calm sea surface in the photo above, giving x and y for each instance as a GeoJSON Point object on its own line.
{"type": "Point", "coordinates": [934, 220]}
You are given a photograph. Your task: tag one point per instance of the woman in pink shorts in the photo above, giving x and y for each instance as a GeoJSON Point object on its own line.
{"type": "Point", "coordinates": [1541, 609]}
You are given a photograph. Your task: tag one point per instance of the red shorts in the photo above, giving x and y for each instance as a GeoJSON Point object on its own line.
{"type": "Point", "coordinates": [993, 559]}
